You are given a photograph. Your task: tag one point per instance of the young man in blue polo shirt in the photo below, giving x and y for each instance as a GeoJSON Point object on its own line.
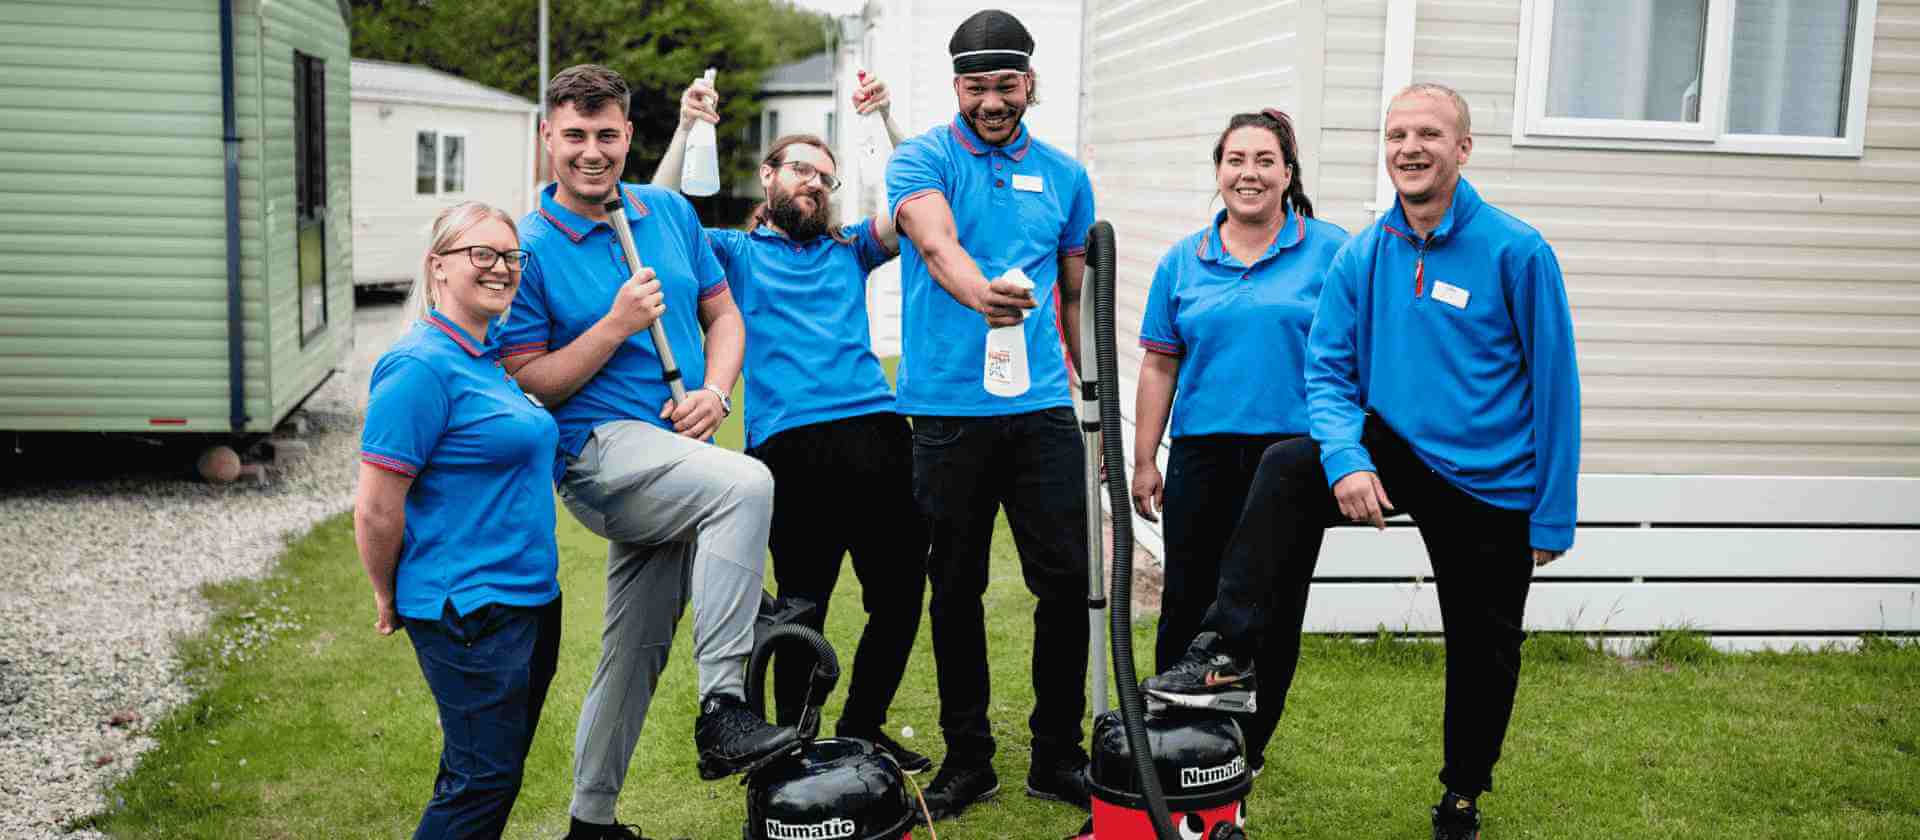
{"type": "Point", "coordinates": [1441, 383]}
{"type": "Point", "coordinates": [685, 519]}
{"type": "Point", "coordinates": [820, 413]}
{"type": "Point", "coordinates": [976, 199]}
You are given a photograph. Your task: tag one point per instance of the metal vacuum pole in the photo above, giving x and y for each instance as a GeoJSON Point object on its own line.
{"type": "Point", "coordinates": [1096, 553]}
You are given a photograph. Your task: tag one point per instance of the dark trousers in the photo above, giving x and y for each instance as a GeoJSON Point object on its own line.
{"type": "Point", "coordinates": [846, 487]}
{"type": "Point", "coordinates": [1482, 568]}
{"type": "Point", "coordinates": [488, 671]}
{"type": "Point", "coordinates": [1208, 477]}
{"type": "Point", "coordinates": [965, 469]}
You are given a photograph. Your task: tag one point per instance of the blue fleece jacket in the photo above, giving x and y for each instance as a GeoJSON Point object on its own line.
{"type": "Point", "coordinates": [1462, 343]}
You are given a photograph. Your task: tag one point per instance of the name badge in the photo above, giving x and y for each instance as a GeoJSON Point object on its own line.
{"type": "Point", "coordinates": [1450, 294]}
{"type": "Point", "coordinates": [1027, 183]}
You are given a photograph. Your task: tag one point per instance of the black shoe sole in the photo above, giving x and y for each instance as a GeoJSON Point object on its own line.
{"type": "Point", "coordinates": [1050, 796]}
{"type": "Point", "coordinates": [945, 814]}
{"type": "Point", "coordinates": [714, 768]}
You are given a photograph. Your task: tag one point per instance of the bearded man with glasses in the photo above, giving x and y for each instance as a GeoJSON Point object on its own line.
{"type": "Point", "coordinates": [820, 413]}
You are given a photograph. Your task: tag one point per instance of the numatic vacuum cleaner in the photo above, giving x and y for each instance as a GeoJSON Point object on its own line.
{"type": "Point", "coordinates": [838, 788]}
{"type": "Point", "coordinates": [1172, 776]}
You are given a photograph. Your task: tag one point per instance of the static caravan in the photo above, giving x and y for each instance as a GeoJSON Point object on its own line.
{"type": "Point", "coordinates": [1730, 187]}
{"type": "Point", "coordinates": [174, 182]}
{"type": "Point", "coordinates": [424, 139]}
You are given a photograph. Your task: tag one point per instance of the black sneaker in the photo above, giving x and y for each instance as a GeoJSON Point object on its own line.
{"type": "Point", "coordinates": [955, 788]}
{"type": "Point", "coordinates": [1456, 818]}
{"type": "Point", "coordinates": [1060, 780]}
{"type": "Point", "coordinates": [731, 738]}
{"type": "Point", "coordinates": [578, 830]}
{"type": "Point", "coordinates": [1203, 679]}
{"type": "Point", "coordinates": [911, 763]}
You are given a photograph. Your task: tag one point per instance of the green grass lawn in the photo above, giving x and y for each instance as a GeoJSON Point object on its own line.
{"type": "Point", "coordinates": [307, 724]}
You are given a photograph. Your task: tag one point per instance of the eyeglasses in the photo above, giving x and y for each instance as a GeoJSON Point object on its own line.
{"type": "Point", "coordinates": [806, 172]}
{"type": "Point", "coordinates": [483, 257]}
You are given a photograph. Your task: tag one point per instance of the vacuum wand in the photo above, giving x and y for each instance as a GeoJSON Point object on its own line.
{"type": "Point", "coordinates": [1090, 438]}
{"type": "Point", "coordinates": [617, 219]}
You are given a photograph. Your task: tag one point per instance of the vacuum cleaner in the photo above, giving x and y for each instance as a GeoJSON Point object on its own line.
{"type": "Point", "coordinates": [1171, 775]}
{"type": "Point", "coordinates": [823, 788]}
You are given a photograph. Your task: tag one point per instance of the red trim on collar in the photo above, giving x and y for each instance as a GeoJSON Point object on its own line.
{"type": "Point", "coordinates": [1021, 153]}
{"type": "Point", "coordinates": [961, 136]}
{"type": "Point", "coordinates": [1396, 231]}
{"type": "Point", "coordinates": [572, 234]}
{"type": "Point", "coordinates": [1205, 236]}
{"type": "Point", "coordinates": [633, 201]}
{"type": "Point", "coordinates": [454, 333]}
{"type": "Point", "coordinates": [1300, 229]}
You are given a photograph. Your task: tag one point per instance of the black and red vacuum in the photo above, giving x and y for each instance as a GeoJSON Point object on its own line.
{"type": "Point", "coordinates": [840, 788]}
{"type": "Point", "coordinates": [1176, 775]}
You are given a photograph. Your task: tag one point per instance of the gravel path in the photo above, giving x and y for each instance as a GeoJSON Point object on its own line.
{"type": "Point", "coordinates": [101, 578]}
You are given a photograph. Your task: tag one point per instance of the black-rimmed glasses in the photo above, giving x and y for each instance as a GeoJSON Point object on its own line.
{"type": "Point", "coordinates": [806, 172]}
{"type": "Point", "coordinates": [483, 257]}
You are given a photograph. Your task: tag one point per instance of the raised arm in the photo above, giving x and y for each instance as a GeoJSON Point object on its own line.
{"type": "Point", "coordinates": [698, 102]}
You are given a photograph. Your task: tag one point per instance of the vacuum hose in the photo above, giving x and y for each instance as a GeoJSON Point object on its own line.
{"type": "Point", "coordinates": [1133, 709]}
{"type": "Point", "coordinates": [826, 671]}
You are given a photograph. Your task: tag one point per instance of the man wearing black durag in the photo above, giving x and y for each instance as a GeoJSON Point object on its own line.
{"type": "Point", "coordinates": [982, 206]}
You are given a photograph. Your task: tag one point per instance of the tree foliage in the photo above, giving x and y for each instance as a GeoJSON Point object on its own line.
{"type": "Point", "coordinates": [658, 45]}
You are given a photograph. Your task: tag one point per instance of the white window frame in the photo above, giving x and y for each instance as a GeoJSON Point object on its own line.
{"type": "Point", "coordinates": [1532, 126]}
{"type": "Point", "coordinates": [439, 161]}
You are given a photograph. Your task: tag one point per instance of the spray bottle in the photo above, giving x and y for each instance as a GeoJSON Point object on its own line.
{"type": "Point", "coordinates": [1007, 373]}
{"type": "Point", "coordinates": [700, 172]}
{"type": "Point", "coordinates": [875, 146]}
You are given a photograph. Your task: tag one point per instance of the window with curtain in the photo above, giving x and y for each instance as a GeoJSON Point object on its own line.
{"type": "Point", "coordinates": [1759, 76]}
{"type": "Point", "coordinates": [426, 152]}
{"type": "Point", "coordinates": [453, 152]}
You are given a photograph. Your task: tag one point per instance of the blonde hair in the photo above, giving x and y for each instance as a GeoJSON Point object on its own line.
{"type": "Point", "coordinates": [448, 227]}
{"type": "Point", "coordinates": [1465, 123]}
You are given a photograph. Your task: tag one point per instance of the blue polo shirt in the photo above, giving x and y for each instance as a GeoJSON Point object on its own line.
{"type": "Point", "coordinates": [809, 351]}
{"type": "Point", "coordinates": [1023, 205]}
{"type": "Point", "coordinates": [1240, 331]}
{"type": "Point", "coordinates": [1462, 343]}
{"type": "Point", "coordinates": [569, 286]}
{"type": "Point", "coordinates": [480, 511]}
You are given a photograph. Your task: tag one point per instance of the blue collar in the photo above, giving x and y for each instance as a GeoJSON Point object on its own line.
{"type": "Point", "coordinates": [1466, 200]}
{"type": "Point", "coordinates": [1293, 231]}
{"type": "Point", "coordinates": [461, 337]}
{"type": "Point", "coordinates": [1016, 148]}
{"type": "Point", "coordinates": [576, 226]}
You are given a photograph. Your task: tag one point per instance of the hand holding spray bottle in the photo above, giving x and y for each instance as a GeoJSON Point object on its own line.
{"type": "Point", "coordinates": [700, 171]}
{"type": "Point", "coordinates": [1006, 373]}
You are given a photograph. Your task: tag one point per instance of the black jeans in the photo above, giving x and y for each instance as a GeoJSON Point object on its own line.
{"type": "Point", "coordinates": [1208, 477]}
{"type": "Point", "coordinates": [823, 472]}
{"type": "Point", "coordinates": [964, 470]}
{"type": "Point", "coordinates": [489, 672]}
{"type": "Point", "coordinates": [1482, 568]}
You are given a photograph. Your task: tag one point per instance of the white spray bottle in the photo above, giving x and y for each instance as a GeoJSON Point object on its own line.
{"type": "Point", "coordinates": [700, 171]}
{"type": "Point", "coordinates": [1007, 373]}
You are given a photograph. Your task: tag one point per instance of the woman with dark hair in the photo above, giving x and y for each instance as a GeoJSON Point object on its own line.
{"type": "Point", "coordinates": [1225, 335]}
{"type": "Point", "coordinates": [453, 517]}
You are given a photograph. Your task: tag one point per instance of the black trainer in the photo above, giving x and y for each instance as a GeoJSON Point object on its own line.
{"type": "Point", "coordinates": [911, 763]}
{"type": "Point", "coordinates": [957, 787]}
{"type": "Point", "coordinates": [1205, 678]}
{"type": "Point", "coordinates": [1062, 779]}
{"type": "Point", "coordinates": [731, 738]}
{"type": "Point", "coordinates": [578, 830]}
{"type": "Point", "coordinates": [1456, 818]}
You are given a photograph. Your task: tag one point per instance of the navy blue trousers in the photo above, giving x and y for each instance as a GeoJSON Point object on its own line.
{"type": "Point", "coordinates": [489, 671]}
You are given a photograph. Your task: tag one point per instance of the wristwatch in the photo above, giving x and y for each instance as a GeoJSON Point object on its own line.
{"type": "Point", "coordinates": [726, 404]}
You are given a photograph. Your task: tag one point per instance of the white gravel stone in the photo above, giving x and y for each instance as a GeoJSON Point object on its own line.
{"type": "Point", "coordinates": [102, 579]}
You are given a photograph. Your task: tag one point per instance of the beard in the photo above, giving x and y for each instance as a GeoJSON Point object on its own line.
{"type": "Point", "coordinates": [786, 213]}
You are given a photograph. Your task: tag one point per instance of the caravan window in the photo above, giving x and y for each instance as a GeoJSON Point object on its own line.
{"type": "Point", "coordinates": [439, 162]}
{"type": "Point", "coordinates": [1756, 76]}
{"type": "Point", "coordinates": [310, 191]}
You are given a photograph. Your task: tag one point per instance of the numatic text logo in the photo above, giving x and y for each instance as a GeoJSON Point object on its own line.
{"type": "Point", "coordinates": [828, 830]}
{"type": "Point", "coordinates": [1202, 776]}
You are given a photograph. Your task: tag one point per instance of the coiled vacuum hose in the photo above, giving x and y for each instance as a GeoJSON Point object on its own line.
{"type": "Point", "coordinates": [1133, 710]}
{"type": "Point", "coordinates": [826, 666]}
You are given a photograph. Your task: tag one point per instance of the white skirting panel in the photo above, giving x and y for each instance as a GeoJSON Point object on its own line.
{"type": "Point", "coordinates": [1770, 608]}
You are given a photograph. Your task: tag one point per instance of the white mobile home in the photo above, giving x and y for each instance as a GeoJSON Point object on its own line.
{"type": "Point", "coordinates": [422, 140]}
{"type": "Point", "coordinates": [1730, 186]}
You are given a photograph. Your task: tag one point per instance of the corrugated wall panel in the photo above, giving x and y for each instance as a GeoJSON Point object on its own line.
{"type": "Point", "coordinates": [311, 27]}
{"type": "Point", "coordinates": [1737, 314]}
{"type": "Point", "coordinates": [113, 282]}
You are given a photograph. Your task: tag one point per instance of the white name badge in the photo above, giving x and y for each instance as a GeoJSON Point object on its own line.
{"type": "Point", "coordinates": [1450, 294]}
{"type": "Point", "coordinates": [1027, 183]}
